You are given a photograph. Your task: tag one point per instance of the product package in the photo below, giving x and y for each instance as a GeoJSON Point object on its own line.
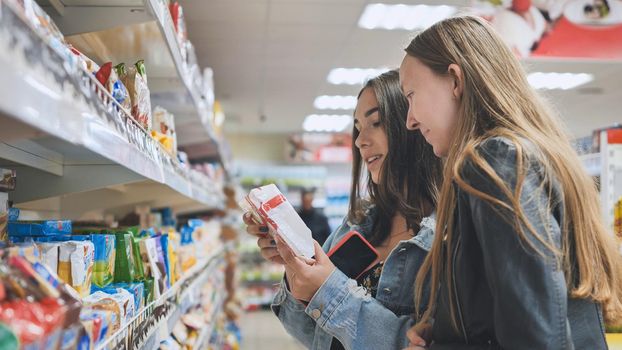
{"type": "Point", "coordinates": [161, 262]}
{"type": "Point", "coordinates": [104, 265]}
{"type": "Point", "coordinates": [39, 228]}
{"type": "Point", "coordinates": [75, 265]}
{"type": "Point", "coordinates": [49, 254]}
{"type": "Point", "coordinates": [125, 265]}
{"type": "Point", "coordinates": [135, 80]}
{"type": "Point", "coordinates": [163, 129]}
{"type": "Point", "coordinates": [100, 301]}
{"type": "Point", "coordinates": [108, 77]}
{"type": "Point", "coordinates": [149, 255]}
{"type": "Point", "coordinates": [268, 205]}
{"type": "Point", "coordinates": [28, 250]}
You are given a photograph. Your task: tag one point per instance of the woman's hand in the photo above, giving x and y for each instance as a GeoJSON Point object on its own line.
{"type": "Point", "coordinates": [304, 276]}
{"type": "Point", "coordinates": [265, 242]}
{"type": "Point", "coordinates": [416, 336]}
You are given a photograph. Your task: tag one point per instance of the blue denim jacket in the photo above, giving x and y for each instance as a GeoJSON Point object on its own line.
{"type": "Point", "coordinates": [343, 310]}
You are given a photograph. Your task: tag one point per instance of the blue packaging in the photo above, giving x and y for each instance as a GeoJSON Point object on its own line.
{"type": "Point", "coordinates": [39, 228]}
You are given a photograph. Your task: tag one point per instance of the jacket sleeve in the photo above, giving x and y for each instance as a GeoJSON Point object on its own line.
{"type": "Point", "coordinates": [525, 277]}
{"type": "Point", "coordinates": [291, 312]}
{"type": "Point", "coordinates": [343, 310]}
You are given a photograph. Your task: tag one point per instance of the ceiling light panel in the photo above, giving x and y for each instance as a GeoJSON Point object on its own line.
{"type": "Point", "coordinates": [561, 81]}
{"type": "Point", "coordinates": [353, 76]}
{"type": "Point", "coordinates": [326, 123]}
{"type": "Point", "coordinates": [403, 17]}
{"type": "Point", "coordinates": [335, 102]}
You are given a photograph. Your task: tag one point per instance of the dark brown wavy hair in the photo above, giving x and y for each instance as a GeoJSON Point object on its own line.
{"type": "Point", "coordinates": [410, 173]}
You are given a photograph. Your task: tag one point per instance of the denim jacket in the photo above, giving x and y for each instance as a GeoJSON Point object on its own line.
{"type": "Point", "coordinates": [343, 310]}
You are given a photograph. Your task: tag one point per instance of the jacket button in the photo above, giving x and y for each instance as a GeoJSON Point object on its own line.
{"type": "Point", "coordinates": [387, 290]}
{"type": "Point", "coordinates": [316, 313]}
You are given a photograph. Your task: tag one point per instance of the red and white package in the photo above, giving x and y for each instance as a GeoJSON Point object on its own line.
{"type": "Point", "coordinates": [268, 206]}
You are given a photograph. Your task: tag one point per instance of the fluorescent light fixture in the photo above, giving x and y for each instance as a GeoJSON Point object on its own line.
{"type": "Point", "coordinates": [562, 81]}
{"type": "Point", "coordinates": [326, 122]}
{"type": "Point", "coordinates": [403, 17]}
{"type": "Point", "coordinates": [335, 102]}
{"type": "Point", "coordinates": [353, 76]}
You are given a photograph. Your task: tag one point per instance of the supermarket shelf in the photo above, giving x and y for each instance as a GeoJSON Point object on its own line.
{"type": "Point", "coordinates": [206, 332]}
{"type": "Point", "coordinates": [170, 78]}
{"type": "Point", "coordinates": [179, 294]}
{"type": "Point", "coordinates": [70, 130]}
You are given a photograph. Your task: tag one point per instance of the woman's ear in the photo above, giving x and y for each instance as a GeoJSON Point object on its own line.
{"type": "Point", "coordinates": [455, 72]}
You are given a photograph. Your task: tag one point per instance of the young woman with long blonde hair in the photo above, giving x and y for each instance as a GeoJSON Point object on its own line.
{"type": "Point", "coordinates": [521, 258]}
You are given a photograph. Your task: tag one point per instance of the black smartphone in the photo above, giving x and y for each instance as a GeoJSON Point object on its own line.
{"type": "Point", "coordinates": [353, 255]}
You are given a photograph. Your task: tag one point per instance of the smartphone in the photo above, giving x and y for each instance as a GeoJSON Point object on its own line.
{"type": "Point", "coordinates": [353, 255]}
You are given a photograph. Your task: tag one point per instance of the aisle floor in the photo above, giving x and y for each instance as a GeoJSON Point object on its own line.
{"type": "Point", "coordinates": [261, 330]}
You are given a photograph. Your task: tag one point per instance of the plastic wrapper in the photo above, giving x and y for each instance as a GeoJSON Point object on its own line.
{"type": "Point", "coordinates": [39, 228]}
{"type": "Point", "coordinates": [104, 265]}
{"type": "Point", "coordinates": [100, 301]}
{"type": "Point", "coordinates": [125, 300]}
{"type": "Point", "coordinates": [125, 265]}
{"type": "Point", "coordinates": [96, 324]}
{"type": "Point", "coordinates": [161, 262]}
{"type": "Point", "coordinates": [75, 265]}
{"type": "Point", "coordinates": [149, 296]}
{"type": "Point", "coordinates": [8, 339]}
{"type": "Point", "coordinates": [88, 64]}
{"type": "Point", "coordinates": [108, 77]}
{"type": "Point", "coordinates": [149, 255]}
{"type": "Point", "coordinates": [164, 126]}
{"type": "Point", "coordinates": [135, 80]}
{"type": "Point", "coordinates": [179, 23]}
{"type": "Point", "coordinates": [136, 289]}
{"type": "Point", "coordinates": [29, 251]}
{"type": "Point", "coordinates": [49, 255]}
{"type": "Point", "coordinates": [37, 325]}
{"type": "Point", "coordinates": [269, 205]}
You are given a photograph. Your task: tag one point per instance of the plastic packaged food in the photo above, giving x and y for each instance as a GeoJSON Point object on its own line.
{"type": "Point", "coordinates": [88, 64]}
{"type": "Point", "coordinates": [104, 302]}
{"type": "Point", "coordinates": [104, 265]}
{"type": "Point", "coordinates": [108, 77]}
{"type": "Point", "coordinates": [164, 126]}
{"type": "Point", "coordinates": [75, 265]}
{"type": "Point", "coordinates": [49, 255]}
{"type": "Point", "coordinates": [29, 251]}
{"type": "Point", "coordinates": [125, 300]}
{"type": "Point", "coordinates": [161, 262]}
{"type": "Point", "coordinates": [137, 289]}
{"type": "Point", "coordinates": [135, 80]}
{"type": "Point", "coordinates": [269, 204]}
{"type": "Point", "coordinates": [125, 265]}
{"type": "Point", "coordinates": [149, 290]}
{"type": "Point", "coordinates": [149, 255]}
{"type": "Point", "coordinates": [39, 228]}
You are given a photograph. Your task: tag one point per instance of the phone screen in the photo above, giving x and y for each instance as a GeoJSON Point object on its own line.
{"type": "Point", "coordinates": [353, 256]}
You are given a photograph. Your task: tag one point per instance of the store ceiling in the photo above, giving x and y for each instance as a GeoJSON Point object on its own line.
{"type": "Point", "coordinates": [271, 58]}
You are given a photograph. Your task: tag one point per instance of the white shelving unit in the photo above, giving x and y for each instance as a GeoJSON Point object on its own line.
{"type": "Point", "coordinates": [65, 135]}
{"type": "Point", "coordinates": [607, 164]}
{"type": "Point", "coordinates": [181, 297]}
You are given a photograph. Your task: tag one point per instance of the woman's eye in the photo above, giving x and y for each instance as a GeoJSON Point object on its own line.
{"type": "Point", "coordinates": [377, 124]}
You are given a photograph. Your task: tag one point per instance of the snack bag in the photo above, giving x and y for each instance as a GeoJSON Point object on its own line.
{"type": "Point", "coordinates": [161, 263]}
{"type": "Point", "coordinates": [164, 127]}
{"type": "Point", "coordinates": [110, 80]}
{"type": "Point", "coordinates": [29, 251]}
{"type": "Point", "coordinates": [149, 255]}
{"type": "Point", "coordinates": [88, 64]}
{"type": "Point", "coordinates": [104, 302]}
{"type": "Point", "coordinates": [267, 204]}
{"type": "Point", "coordinates": [75, 265]}
{"type": "Point", "coordinates": [104, 266]}
{"type": "Point", "coordinates": [49, 255]}
{"type": "Point", "coordinates": [125, 265]}
{"type": "Point", "coordinates": [135, 80]}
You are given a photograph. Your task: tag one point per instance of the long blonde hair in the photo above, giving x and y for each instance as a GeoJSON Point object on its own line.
{"type": "Point", "coordinates": [496, 101]}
